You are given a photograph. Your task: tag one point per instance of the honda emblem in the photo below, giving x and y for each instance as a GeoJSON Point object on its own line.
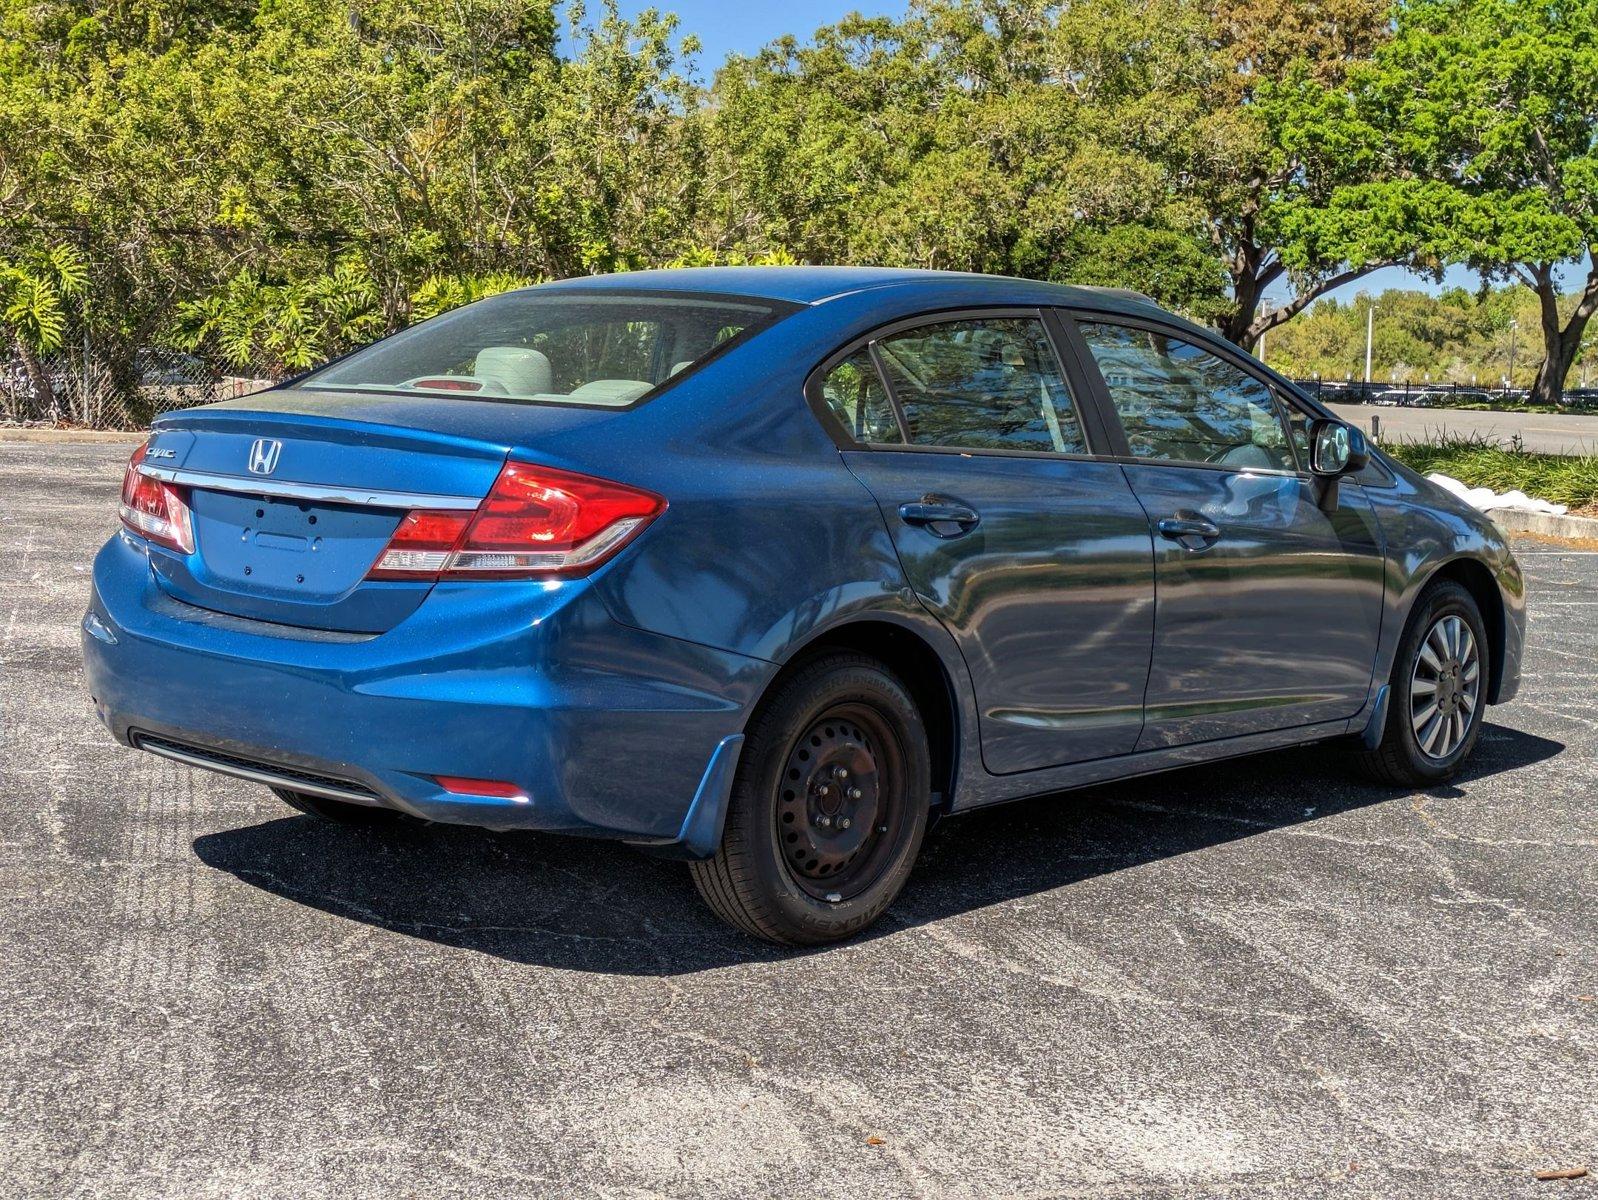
{"type": "Point", "coordinates": [263, 456]}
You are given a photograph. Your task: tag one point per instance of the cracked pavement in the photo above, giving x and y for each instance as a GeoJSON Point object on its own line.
{"type": "Point", "coordinates": [1261, 978]}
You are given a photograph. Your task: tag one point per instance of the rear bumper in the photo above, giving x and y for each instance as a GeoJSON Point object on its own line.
{"type": "Point", "coordinates": [604, 729]}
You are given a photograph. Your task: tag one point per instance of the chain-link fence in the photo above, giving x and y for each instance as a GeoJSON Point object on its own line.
{"type": "Point", "coordinates": [108, 383]}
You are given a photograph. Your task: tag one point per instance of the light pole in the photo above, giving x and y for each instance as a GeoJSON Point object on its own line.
{"type": "Point", "coordinates": [1370, 324]}
{"type": "Point", "coordinates": [1513, 325]}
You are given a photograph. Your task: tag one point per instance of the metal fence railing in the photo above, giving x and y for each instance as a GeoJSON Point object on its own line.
{"type": "Point", "coordinates": [1435, 395]}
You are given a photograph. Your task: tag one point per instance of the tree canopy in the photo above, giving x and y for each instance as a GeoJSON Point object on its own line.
{"type": "Point", "coordinates": [1476, 339]}
{"type": "Point", "coordinates": [1488, 111]}
{"type": "Point", "coordinates": [277, 180]}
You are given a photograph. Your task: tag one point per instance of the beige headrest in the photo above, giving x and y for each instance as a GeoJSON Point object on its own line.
{"type": "Point", "coordinates": [520, 371]}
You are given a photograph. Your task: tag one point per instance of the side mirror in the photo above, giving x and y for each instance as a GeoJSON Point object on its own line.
{"type": "Point", "coordinates": [1336, 449]}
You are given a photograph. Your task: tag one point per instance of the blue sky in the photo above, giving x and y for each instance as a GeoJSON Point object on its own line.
{"type": "Point", "coordinates": [725, 28]}
{"type": "Point", "coordinates": [744, 27]}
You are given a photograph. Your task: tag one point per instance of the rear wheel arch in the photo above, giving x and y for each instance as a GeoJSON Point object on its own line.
{"type": "Point", "coordinates": [1477, 579]}
{"type": "Point", "coordinates": [915, 663]}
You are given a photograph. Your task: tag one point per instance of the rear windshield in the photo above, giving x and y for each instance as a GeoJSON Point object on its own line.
{"type": "Point", "coordinates": [610, 350]}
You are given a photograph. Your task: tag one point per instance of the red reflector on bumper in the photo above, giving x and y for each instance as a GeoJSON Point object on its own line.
{"type": "Point", "coordinates": [497, 788]}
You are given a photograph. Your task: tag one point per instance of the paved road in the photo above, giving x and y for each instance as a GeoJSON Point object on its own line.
{"type": "Point", "coordinates": [1554, 433]}
{"type": "Point", "coordinates": [1258, 980]}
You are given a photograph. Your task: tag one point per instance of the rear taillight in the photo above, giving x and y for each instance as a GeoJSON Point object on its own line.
{"type": "Point", "coordinates": [156, 511]}
{"type": "Point", "coordinates": [534, 521]}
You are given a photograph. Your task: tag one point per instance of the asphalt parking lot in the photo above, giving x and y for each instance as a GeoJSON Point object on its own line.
{"type": "Point", "coordinates": [1544, 433]}
{"type": "Point", "coordinates": [1259, 979]}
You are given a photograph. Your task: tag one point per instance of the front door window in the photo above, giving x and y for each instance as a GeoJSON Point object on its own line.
{"type": "Point", "coordinates": [1180, 403]}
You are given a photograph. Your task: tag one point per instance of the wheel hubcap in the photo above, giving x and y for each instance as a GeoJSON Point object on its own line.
{"type": "Point", "coordinates": [836, 804]}
{"type": "Point", "coordinates": [1445, 687]}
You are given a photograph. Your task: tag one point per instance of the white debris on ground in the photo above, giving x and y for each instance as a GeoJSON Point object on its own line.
{"type": "Point", "coordinates": [1486, 499]}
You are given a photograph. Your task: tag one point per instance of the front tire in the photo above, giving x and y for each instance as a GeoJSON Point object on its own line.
{"type": "Point", "coordinates": [1437, 693]}
{"type": "Point", "coordinates": [828, 807]}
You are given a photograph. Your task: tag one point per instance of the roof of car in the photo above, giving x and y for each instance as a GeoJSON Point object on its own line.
{"type": "Point", "coordinates": [816, 285]}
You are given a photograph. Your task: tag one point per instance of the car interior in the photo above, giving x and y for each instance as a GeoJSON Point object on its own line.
{"type": "Point", "coordinates": [994, 384]}
{"type": "Point", "coordinates": [982, 385]}
{"type": "Point", "coordinates": [608, 354]}
{"type": "Point", "coordinates": [1180, 403]}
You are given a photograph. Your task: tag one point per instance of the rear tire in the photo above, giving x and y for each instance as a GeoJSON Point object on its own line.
{"type": "Point", "coordinates": [1437, 692]}
{"type": "Point", "coordinates": [828, 807]}
{"type": "Point", "coordinates": [339, 811]}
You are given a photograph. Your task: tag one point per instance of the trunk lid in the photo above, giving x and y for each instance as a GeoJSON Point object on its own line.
{"type": "Point", "coordinates": [294, 497]}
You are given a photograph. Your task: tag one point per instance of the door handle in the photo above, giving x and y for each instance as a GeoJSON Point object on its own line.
{"type": "Point", "coordinates": [942, 518]}
{"type": "Point", "coordinates": [1180, 528]}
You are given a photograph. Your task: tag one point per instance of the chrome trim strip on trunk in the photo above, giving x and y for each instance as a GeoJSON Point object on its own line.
{"type": "Point", "coordinates": [269, 778]}
{"type": "Point", "coordinates": [255, 485]}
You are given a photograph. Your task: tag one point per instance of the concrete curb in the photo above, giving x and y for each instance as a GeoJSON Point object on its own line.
{"type": "Point", "coordinates": [1513, 520]}
{"type": "Point", "coordinates": [22, 433]}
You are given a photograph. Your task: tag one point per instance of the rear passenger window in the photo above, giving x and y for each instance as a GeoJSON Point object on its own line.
{"type": "Point", "coordinates": [1181, 403]}
{"type": "Point", "coordinates": [853, 391]}
{"type": "Point", "coordinates": [990, 384]}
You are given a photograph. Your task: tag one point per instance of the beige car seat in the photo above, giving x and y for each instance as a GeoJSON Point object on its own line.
{"type": "Point", "coordinates": [517, 369]}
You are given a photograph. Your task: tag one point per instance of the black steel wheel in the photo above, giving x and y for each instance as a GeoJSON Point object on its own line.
{"type": "Point", "coordinates": [1437, 692]}
{"type": "Point", "coordinates": [843, 803]}
{"type": "Point", "coordinates": [828, 808]}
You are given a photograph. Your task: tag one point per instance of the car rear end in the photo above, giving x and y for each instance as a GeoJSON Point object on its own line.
{"type": "Point", "coordinates": [387, 597]}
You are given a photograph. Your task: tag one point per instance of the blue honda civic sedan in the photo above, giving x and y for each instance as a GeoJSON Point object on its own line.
{"type": "Point", "coordinates": [766, 568]}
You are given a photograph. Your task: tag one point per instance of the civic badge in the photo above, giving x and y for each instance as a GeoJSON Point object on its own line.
{"type": "Point", "coordinates": [263, 456]}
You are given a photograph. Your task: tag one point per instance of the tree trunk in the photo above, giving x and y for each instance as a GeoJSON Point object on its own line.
{"type": "Point", "coordinates": [1549, 386]}
{"type": "Point", "coordinates": [1560, 342]}
{"type": "Point", "coordinates": [1252, 275]}
{"type": "Point", "coordinates": [1238, 328]}
{"type": "Point", "coordinates": [38, 379]}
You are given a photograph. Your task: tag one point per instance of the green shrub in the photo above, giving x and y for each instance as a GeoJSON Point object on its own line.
{"type": "Point", "coordinates": [1480, 462]}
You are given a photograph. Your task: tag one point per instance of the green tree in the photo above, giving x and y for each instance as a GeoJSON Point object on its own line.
{"type": "Point", "coordinates": [440, 293]}
{"type": "Point", "coordinates": [1202, 141]}
{"type": "Point", "coordinates": [1491, 107]}
{"type": "Point", "coordinates": [275, 329]}
{"type": "Point", "coordinates": [1263, 158]}
{"type": "Point", "coordinates": [1458, 337]}
{"type": "Point", "coordinates": [962, 137]}
{"type": "Point", "coordinates": [34, 294]}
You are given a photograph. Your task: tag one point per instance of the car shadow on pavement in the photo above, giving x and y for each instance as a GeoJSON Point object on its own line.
{"type": "Point", "coordinates": [600, 906]}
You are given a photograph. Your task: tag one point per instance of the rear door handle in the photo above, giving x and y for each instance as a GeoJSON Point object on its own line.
{"type": "Point", "coordinates": [1180, 529]}
{"type": "Point", "coordinates": [941, 518]}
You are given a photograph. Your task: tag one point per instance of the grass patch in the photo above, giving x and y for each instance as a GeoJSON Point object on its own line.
{"type": "Point", "coordinates": [1479, 462]}
{"type": "Point", "coordinates": [1514, 406]}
